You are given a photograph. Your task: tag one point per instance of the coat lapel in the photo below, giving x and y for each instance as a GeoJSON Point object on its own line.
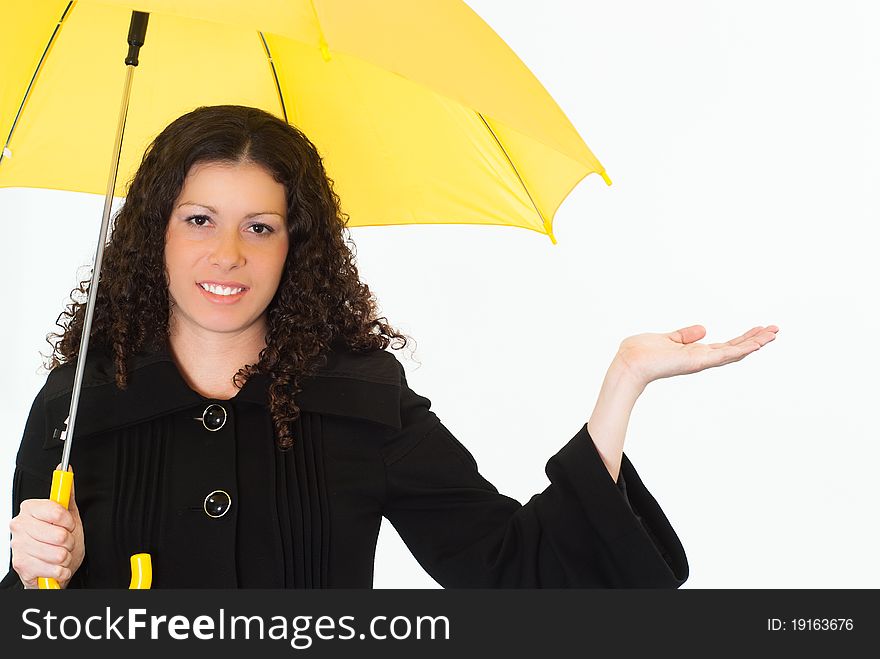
{"type": "Point", "coordinates": [358, 385]}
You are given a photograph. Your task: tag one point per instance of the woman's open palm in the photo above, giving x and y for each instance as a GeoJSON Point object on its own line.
{"type": "Point", "coordinates": [652, 356]}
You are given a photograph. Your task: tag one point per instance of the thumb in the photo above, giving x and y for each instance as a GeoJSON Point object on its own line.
{"type": "Point", "coordinates": [689, 334]}
{"type": "Point", "coordinates": [71, 506]}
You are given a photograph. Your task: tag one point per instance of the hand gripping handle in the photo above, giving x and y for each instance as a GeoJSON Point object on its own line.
{"type": "Point", "coordinates": [141, 564]}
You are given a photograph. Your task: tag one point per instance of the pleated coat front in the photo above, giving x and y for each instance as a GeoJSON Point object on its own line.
{"type": "Point", "coordinates": [147, 470]}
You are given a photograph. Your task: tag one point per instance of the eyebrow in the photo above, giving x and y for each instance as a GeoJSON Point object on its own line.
{"type": "Point", "coordinates": [214, 210]}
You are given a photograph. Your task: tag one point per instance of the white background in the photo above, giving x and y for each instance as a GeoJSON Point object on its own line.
{"type": "Point", "coordinates": [742, 141]}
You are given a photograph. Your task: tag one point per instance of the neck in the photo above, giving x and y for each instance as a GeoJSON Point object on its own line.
{"type": "Point", "coordinates": [209, 360]}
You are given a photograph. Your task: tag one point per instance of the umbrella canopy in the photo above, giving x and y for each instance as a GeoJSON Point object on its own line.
{"type": "Point", "coordinates": [421, 112]}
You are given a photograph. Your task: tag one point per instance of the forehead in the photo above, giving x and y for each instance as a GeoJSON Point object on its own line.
{"type": "Point", "coordinates": [233, 186]}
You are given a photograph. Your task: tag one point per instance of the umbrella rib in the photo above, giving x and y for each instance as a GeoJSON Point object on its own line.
{"type": "Point", "coordinates": [39, 68]}
{"type": "Point", "coordinates": [519, 178]}
{"type": "Point", "coordinates": [274, 75]}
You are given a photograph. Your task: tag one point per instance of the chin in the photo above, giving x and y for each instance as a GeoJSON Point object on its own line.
{"type": "Point", "coordinates": [223, 325]}
{"type": "Point", "coordinates": [222, 321]}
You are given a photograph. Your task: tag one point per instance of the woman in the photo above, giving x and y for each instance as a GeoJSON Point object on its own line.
{"type": "Point", "coordinates": [242, 421]}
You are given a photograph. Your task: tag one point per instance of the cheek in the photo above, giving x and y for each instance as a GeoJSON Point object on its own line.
{"type": "Point", "coordinates": [170, 261]}
{"type": "Point", "coordinates": [277, 261]}
{"type": "Point", "coordinates": [176, 265]}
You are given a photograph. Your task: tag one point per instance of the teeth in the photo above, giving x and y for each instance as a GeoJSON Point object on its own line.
{"type": "Point", "coordinates": [221, 290]}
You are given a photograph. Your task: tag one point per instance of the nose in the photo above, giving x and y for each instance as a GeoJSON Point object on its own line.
{"type": "Point", "coordinates": [227, 252]}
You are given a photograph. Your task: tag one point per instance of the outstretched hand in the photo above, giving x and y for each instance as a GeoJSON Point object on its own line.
{"type": "Point", "coordinates": [652, 356]}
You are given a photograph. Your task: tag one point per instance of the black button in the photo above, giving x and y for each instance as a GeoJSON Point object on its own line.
{"type": "Point", "coordinates": [213, 418]}
{"type": "Point", "coordinates": [217, 503]}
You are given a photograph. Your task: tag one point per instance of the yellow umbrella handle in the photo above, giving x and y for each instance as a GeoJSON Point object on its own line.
{"type": "Point", "coordinates": [141, 564]}
{"type": "Point", "coordinates": [141, 572]}
{"type": "Point", "coordinates": [62, 481]}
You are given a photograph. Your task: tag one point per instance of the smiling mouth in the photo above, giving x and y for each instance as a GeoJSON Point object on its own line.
{"type": "Point", "coordinates": [225, 291]}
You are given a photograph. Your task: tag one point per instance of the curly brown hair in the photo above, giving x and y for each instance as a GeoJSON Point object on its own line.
{"type": "Point", "coordinates": [320, 300]}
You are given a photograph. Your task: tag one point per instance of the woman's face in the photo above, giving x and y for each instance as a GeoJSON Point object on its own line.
{"type": "Point", "coordinates": [225, 247]}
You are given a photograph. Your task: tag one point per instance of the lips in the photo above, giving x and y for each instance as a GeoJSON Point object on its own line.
{"type": "Point", "coordinates": [222, 292]}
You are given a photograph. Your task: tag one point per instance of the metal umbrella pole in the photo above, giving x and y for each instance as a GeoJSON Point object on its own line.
{"type": "Point", "coordinates": [62, 480]}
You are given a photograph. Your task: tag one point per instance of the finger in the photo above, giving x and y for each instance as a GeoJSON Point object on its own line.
{"type": "Point", "coordinates": [751, 334]}
{"type": "Point", "coordinates": [49, 534]}
{"type": "Point", "coordinates": [33, 569]}
{"type": "Point", "coordinates": [49, 511]}
{"type": "Point", "coordinates": [744, 337]}
{"type": "Point", "coordinates": [51, 554]}
{"type": "Point", "coordinates": [737, 352]}
{"type": "Point", "coordinates": [728, 354]}
{"type": "Point", "coordinates": [764, 337]}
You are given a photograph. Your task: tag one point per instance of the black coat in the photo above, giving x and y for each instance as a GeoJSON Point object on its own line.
{"type": "Point", "coordinates": [366, 446]}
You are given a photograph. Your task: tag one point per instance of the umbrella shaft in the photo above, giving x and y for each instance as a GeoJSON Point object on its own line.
{"type": "Point", "coordinates": [96, 270]}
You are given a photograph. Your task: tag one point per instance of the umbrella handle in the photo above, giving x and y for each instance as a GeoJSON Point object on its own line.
{"type": "Point", "coordinates": [141, 572]}
{"type": "Point", "coordinates": [141, 564]}
{"type": "Point", "coordinates": [62, 481]}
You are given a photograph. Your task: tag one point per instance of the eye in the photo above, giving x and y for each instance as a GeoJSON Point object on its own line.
{"type": "Point", "coordinates": [198, 220]}
{"type": "Point", "coordinates": [261, 229]}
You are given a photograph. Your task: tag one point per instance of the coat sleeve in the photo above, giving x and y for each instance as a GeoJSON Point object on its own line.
{"type": "Point", "coordinates": [32, 479]}
{"type": "Point", "coordinates": [583, 531]}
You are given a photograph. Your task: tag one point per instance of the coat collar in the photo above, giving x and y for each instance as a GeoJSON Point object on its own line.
{"type": "Point", "coordinates": [358, 385]}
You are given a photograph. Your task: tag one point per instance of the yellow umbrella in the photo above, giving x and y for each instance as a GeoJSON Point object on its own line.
{"type": "Point", "coordinates": [422, 114]}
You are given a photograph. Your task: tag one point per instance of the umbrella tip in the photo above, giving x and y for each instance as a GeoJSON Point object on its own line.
{"type": "Point", "coordinates": [605, 177]}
